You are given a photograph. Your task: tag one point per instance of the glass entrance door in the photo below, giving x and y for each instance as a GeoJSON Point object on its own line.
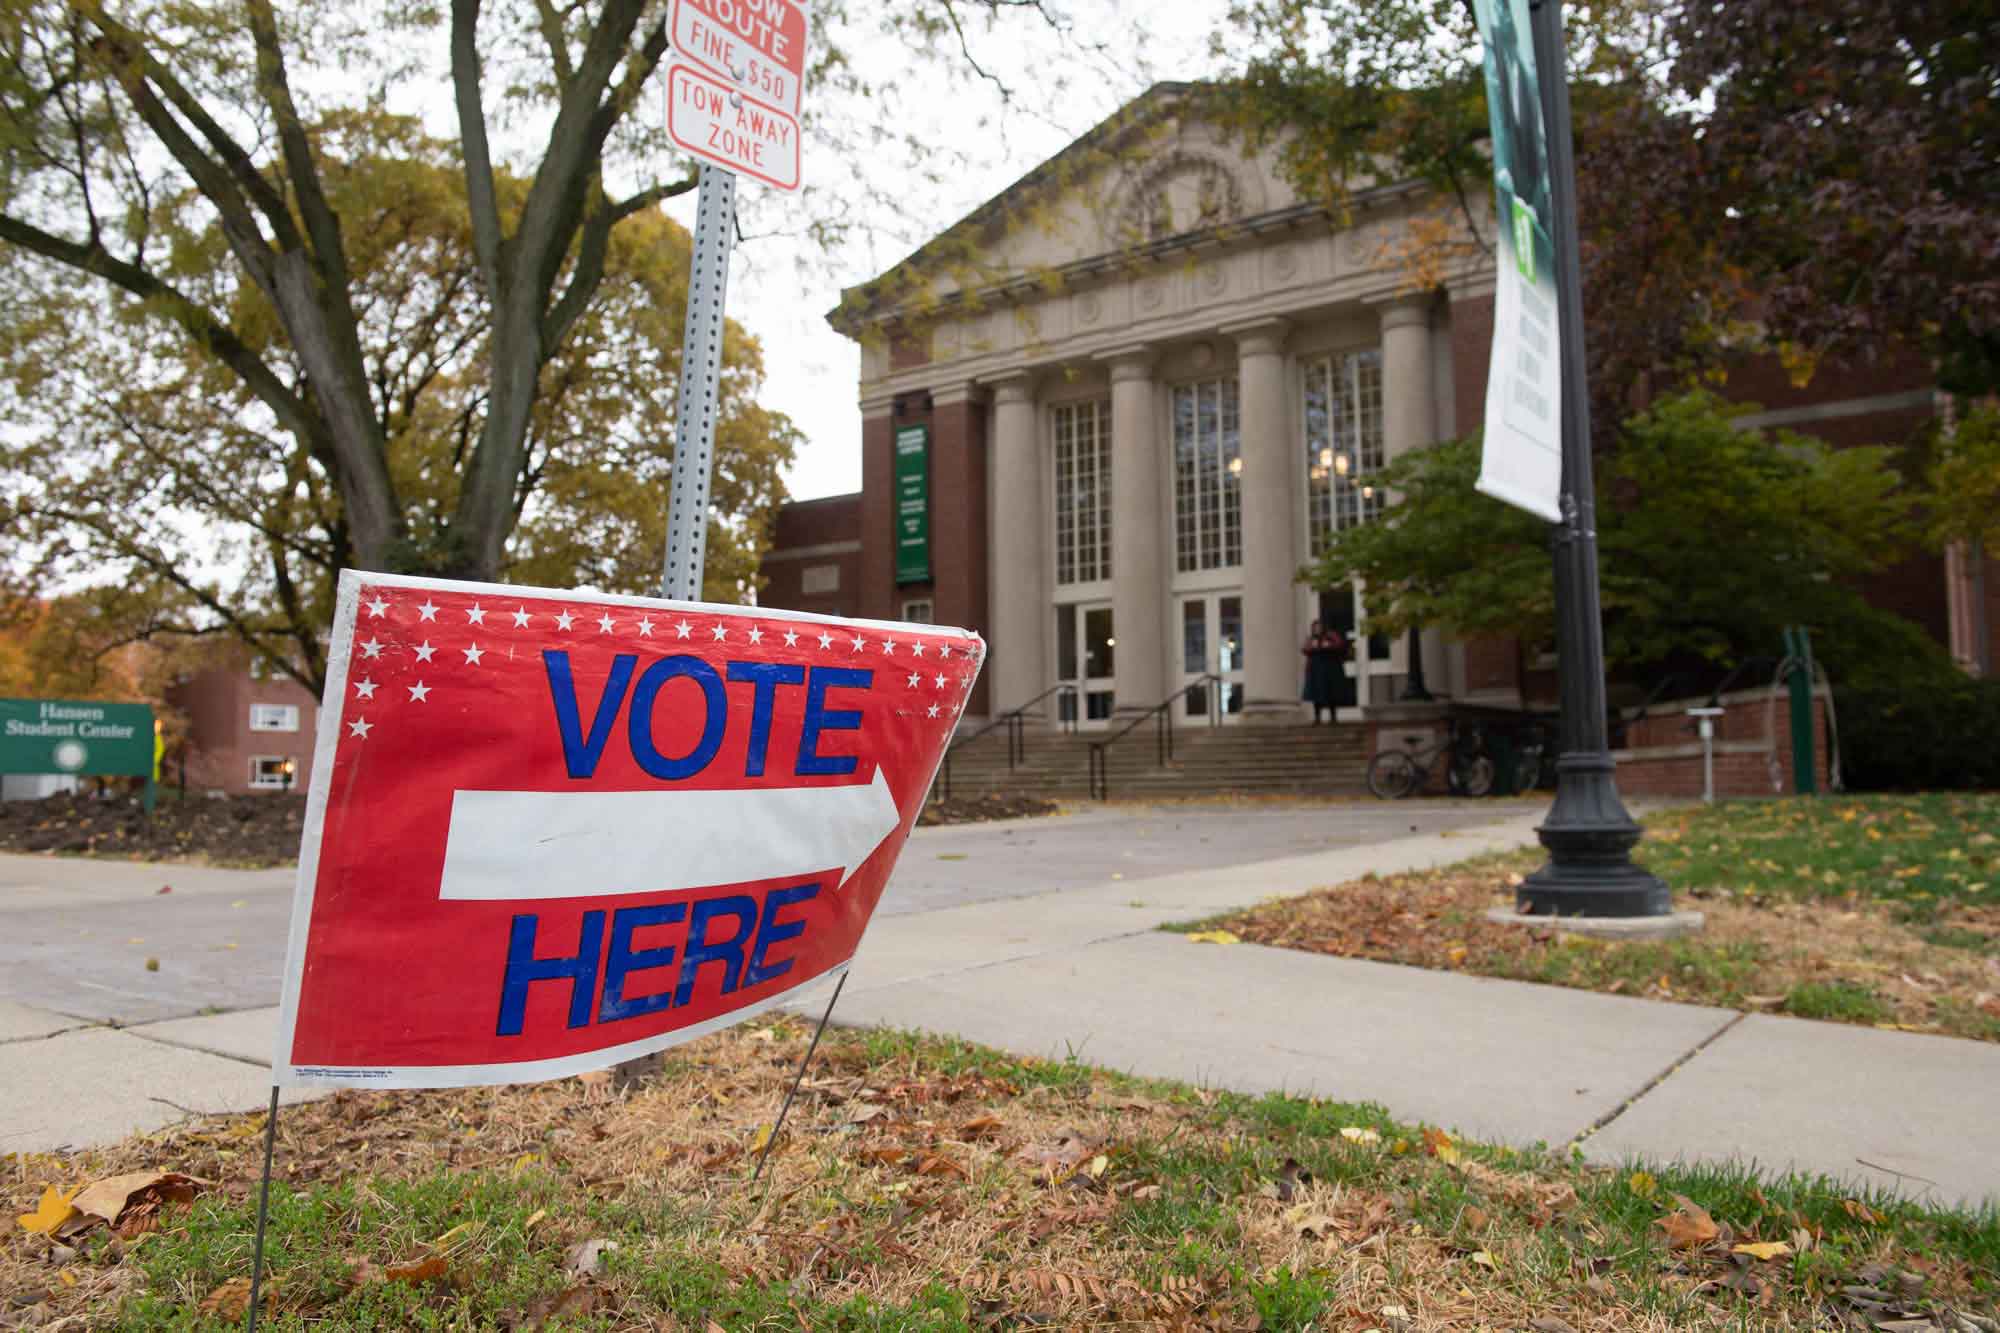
{"type": "Point", "coordinates": [1086, 657]}
{"type": "Point", "coordinates": [1212, 644]}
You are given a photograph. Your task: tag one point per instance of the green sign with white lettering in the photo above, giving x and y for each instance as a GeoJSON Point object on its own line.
{"type": "Point", "coordinates": [913, 504]}
{"type": "Point", "coordinates": [81, 739]}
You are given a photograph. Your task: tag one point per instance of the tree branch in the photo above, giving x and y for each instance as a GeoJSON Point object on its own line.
{"type": "Point", "coordinates": [208, 332]}
{"type": "Point", "coordinates": [552, 35]}
{"type": "Point", "coordinates": [589, 270]}
{"type": "Point", "coordinates": [479, 189]}
{"type": "Point", "coordinates": [322, 223]}
{"type": "Point", "coordinates": [269, 202]}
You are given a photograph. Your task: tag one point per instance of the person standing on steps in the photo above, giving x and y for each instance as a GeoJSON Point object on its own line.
{"type": "Point", "coordinates": [1324, 650]}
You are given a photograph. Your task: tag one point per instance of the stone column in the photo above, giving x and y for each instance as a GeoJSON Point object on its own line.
{"type": "Point", "coordinates": [1271, 469]}
{"type": "Point", "coordinates": [1409, 417]}
{"type": "Point", "coordinates": [1138, 577]}
{"type": "Point", "coordinates": [1017, 509]}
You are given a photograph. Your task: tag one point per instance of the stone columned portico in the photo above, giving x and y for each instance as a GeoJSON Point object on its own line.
{"type": "Point", "coordinates": [1017, 573]}
{"type": "Point", "coordinates": [1186, 377]}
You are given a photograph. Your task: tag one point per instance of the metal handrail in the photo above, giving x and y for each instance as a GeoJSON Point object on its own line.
{"type": "Point", "coordinates": [1162, 715]}
{"type": "Point", "coordinates": [1015, 721]}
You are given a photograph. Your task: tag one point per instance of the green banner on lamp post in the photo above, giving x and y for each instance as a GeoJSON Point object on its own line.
{"type": "Point", "coordinates": [913, 504]}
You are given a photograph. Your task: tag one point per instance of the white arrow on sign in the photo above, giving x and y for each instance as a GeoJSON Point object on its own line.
{"type": "Point", "coordinates": [571, 844]}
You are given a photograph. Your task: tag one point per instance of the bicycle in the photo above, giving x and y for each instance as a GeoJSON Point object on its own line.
{"type": "Point", "coordinates": [1394, 774]}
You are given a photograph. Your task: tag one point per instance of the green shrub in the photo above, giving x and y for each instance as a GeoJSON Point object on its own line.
{"type": "Point", "coordinates": [1943, 737]}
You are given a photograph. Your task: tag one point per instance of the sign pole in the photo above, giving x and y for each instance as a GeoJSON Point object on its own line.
{"type": "Point", "coordinates": [1589, 833]}
{"type": "Point", "coordinates": [701, 374]}
{"type": "Point", "coordinates": [263, 1212]}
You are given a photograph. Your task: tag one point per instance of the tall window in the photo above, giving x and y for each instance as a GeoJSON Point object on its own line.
{"type": "Point", "coordinates": [1208, 463]}
{"type": "Point", "coordinates": [1083, 492]}
{"type": "Point", "coordinates": [1343, 443]}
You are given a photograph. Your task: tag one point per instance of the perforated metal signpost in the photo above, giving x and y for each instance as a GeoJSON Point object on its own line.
{"type": "Point", "coordinates": [701, 376]}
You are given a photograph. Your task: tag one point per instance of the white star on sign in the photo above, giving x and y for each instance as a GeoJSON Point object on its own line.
{"type": "Point", "coordinates": [756, 634]}
{"type": "Point", "coordinates": [521, 616]}
{"type": "Point", "coordinates": [917, 648]}
{"type": "Point", "coordinates": [940, 678]}
{"type": "Point", "coordinates": [933, 712]}
{"type": "Point", "coordinates": [563, 620]}
{"type": "Point", "coordinates": [427, 611]}
{"type": "Point", "coordinates": [721, 632]}
{"type": "Point", "coordinates": [473, 654]}
{"type": "Point", "coordinates": [377, 607]}
{"type": "Point", "coordinates": [360, 726]}
{"type": "Point", "coordinates": [424, 651]}
{"type": "Point", "coordinates": [475, 616]}
{"type": "Point", "coordinates": [604, 623]}
{"type": "Point", "coordinates": [419, 692]}
{"type": "Point", "coordinates": [944, 650]}
{"type": "Point", "coordinates": [889, 647]}
{"type": "Point", "coordinates": [364, 688]}
{"type": "Point", "coordinates": [372, 648]}
{"type": "Point", "coordinates": [859, 643]}
{"type": "Point", "coordinates": [682, 629]}
{"type": "Point", "coordinates": [791, 638]}
{"type": "Point", "coordinates": [914, 678]}
{"type": "Point", "coordinates": [825, 640]}
{"type": "Point", "coordinates": [645, 628]}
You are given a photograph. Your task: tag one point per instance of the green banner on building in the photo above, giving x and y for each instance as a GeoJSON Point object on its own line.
{"type": "Point", "coordinates": [82, 739]}
{"type": "Point", "coordinates": [913, 504]}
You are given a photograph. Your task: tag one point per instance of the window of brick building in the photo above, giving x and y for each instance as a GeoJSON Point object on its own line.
{"type": "Point", "coordinates": [274, 717]}
{"type": "Point", "coordinates": [1083, 492]}
{"type": "Point", "coordinates": [816, 580]}
{"type": "Point", "coordinates": [268, 772]}
{"type": "Point", "coordinates": [1208, 466]}
{"type": "Point", "coordinates": [1343, 438]}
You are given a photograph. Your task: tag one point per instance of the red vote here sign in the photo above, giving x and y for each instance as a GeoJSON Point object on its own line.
{"type": "Point", "coordinates": [549, 831]}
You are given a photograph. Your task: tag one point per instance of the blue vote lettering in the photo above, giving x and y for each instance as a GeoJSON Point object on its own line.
{"type": "Point", "coordinates": [582, 753]}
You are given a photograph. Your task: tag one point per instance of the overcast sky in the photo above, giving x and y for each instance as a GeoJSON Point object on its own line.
{"type": "Point", "coordinates": [813, 371]}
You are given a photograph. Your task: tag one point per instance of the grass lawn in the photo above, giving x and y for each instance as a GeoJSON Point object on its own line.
{"type": "Point", "coordinates": [1861, 909]}
{"type": "Point", "coordinates": [928, 1184]}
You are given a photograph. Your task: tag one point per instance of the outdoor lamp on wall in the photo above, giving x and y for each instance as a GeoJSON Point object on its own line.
{"type": "Point", "coordinates": [1367, 492]}
{"type": "Point", "coordinates": [291, 767]}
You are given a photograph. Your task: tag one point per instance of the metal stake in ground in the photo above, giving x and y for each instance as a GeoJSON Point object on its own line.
{"type": "Point", "coordinates": [263, 1211]}
{"type": "Point", "coordinates": [1589, 833]}
{"type": "Point", "coordinates": [700, 390]}
{"type": "Point", "coordinates": [797, 1079]}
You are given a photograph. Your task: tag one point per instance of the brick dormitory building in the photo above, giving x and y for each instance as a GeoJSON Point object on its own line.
{"type": "Point", "coordinates": [1170, 380]}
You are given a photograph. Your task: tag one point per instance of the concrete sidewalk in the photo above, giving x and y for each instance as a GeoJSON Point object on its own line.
{"type": "Point", "coordinates": [1085, 970]}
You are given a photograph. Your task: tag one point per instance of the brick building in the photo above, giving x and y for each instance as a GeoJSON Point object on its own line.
{"type": "Point", "coordinates": [248, 730]}
{"type": "Point", "coordinates": [1168, 385]}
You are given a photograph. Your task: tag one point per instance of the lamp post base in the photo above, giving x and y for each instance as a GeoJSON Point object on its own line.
{"type": "Point", "coordinates": [1590, 836]}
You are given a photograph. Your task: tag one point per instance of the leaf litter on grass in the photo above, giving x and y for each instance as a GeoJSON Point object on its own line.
{"type": "Point", "coordinates": [928, 1182]}
{"type": "Point", "coordinates": [1813, 951]}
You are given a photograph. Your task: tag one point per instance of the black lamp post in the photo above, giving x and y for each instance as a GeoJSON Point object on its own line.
{"type": "Point", "coordinates": [1589, 833]}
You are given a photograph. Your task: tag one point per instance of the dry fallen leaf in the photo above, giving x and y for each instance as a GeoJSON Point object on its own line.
{"type": "Point", "coordinates": [1689, 1226]}
{"type": "Point", "coordinates": [982, 1127]}
{"type": "Point", "coordinates": [1358, 1134]}
{"type": "Point", "coordinates": [1484, 1260]}
{"type": "Point", "coordinates": [54, 1210]}
{"type": "Point", "coordinates": [231, 1300]}
{"type": "Point", "coordinates": [427, 1269]}
{"type": "Point", "coordinates": [1762, 1249]}
{"type": "Point", "coordinates": [586, 1258]}
{"type": "Point", "coordinates": [1214, 937]}
{"type": "Point", "coordinates": [1549, 1323]}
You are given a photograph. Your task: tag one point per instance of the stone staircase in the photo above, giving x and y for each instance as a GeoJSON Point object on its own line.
{"type": "Point", "coordinates": [1261, 760]}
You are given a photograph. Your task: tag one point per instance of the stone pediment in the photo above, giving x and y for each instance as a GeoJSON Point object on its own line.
{"type": "Point", "coordinates": [1154, 171]}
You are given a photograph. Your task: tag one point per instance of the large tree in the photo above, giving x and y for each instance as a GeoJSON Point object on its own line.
{"type": "Point", "coordinates": [153, 463]}
{"type": "Point", "coordinates": [1848, 167]}
{"type": "Point", "coordinates": [1353, 95]}
{"type": "Point", "coordinates": [1713, 537]}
